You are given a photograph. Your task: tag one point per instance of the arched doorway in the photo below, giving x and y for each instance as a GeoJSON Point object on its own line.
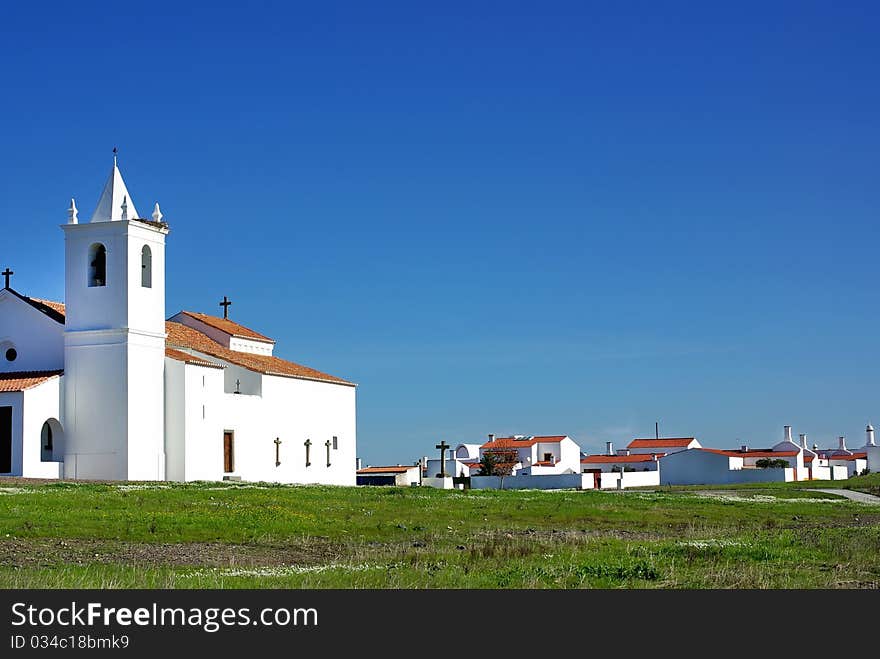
{"type": "Point", "coordinates": [51, 441]}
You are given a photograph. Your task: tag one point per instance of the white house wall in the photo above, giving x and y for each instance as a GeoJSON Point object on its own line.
{"type": "Point", "coordinates": [40, 404]}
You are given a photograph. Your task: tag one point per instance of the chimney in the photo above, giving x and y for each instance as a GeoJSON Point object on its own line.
{"type": "Point", "coordinates": [869, 431]}
{"type": "Point", "coordinates": [787, 433]}
{"type": "Point", "coordinates": [744, 449]}
{"type": "Point", "coordinates": [358, 463]}
{"type": "Point", "coordinates": [609, 448]}
{"type": "Point", "coordinates": [842, 441]}
{"type": "Point", "coordinates": [803, 440]}
{"type": "Point", "coordinates": [654, 457]}
{"type": "Point", "coordinates": [491, 436]}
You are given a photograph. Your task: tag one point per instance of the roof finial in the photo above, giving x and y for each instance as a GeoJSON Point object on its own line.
{"type": "Point", "coordinates": [157, 214]}
{"type": "Point", "coordinates": [115, 151]}
{"type": "Point", "coordinates": [124, 208]}
{"type": "Point", "coordinates": [72, 212]}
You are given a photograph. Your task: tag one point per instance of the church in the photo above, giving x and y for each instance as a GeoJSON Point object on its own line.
{"type": "Point", "coordinates": [103, 387]}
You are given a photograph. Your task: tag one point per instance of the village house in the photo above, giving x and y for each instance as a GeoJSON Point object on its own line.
{"type": "Point", "coordinates": [537, 455]}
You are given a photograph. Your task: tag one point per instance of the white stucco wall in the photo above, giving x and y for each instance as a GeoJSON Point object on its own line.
{"type": "Point", "coordinates": [640, 478]}
{"type": "Point", "coordinates": [40, 404]}
{"type": "Point", "coordinates": [545, 482]}
{"type": "Point", "coordinates": [873, 458]}
{"type": "Point", "coordinates": [696, 467]}
{"type": "Point", "coordinates": [251, 346]}
{"type": "Point", "coordinates": [38, 340]}
{"type": "Point", "coordinates": [290, 409]}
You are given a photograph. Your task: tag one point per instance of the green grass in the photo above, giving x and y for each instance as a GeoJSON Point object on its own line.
{"type": "Point", "coordinates": [211, 535]}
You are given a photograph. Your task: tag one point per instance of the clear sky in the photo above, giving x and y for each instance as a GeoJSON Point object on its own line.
{"type": "Point", "coordinates": [534, 218]}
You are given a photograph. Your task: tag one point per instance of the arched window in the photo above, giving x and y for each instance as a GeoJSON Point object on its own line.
{"type": "Point", "coordinates": [146, 267]}
{"type": "Point", "coordinates": [97, 265]}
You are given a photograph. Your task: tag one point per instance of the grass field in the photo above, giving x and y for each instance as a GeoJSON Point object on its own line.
{"type": "Point", "coordinates": [213, 535]}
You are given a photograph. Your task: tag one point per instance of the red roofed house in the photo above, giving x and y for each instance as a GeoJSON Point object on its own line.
{"type": "Point", "coordinates": [103, 387]}
{"type": "Point", "coordinates": [664, 445]}
{"type": "Point", "coordinates": [539, 454]}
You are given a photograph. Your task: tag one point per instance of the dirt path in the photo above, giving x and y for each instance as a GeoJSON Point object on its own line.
{"type": "Point", "coordinates": [861, 497]}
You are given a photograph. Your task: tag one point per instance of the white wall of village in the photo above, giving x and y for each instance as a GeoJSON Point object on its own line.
{"type": "Point", "coordinates": [696, 467]}
{"type": "Point", "coordinates": [290, 409]}
{"type": "Point", "coordinates": [543, 482]}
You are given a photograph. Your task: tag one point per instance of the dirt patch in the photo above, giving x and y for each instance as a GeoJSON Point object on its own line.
{"type": "Point", "coordinates": [48, 552]}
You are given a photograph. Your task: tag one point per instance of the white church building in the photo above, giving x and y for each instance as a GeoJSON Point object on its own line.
{"type": "Point", "coordinates": [102, 386]}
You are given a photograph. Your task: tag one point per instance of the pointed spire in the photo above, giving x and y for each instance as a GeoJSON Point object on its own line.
{"type": "Point", "coordinates": [157, 214]}
{"type": "Point", "coordinates": [72, 212]}
{"type": "Point", "coordinates": [112, 198]}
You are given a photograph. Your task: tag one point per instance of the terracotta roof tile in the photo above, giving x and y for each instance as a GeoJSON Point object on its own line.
{"type": "Point", "coordinates": [764, 454]}
{"type": "Point", "coordinates": [525, 442]}
{"type": "Point", "coordinates": [55, 310]}
{"type": "Point", "coordinates": [751, 454]}
{"type": "Point", "coordinates": [605, 459]}
{"type": "Point", "coordinates": [228, 326]}
{"type": "Point", "coordinates": [57, 307]}
{"type": "Point", "coordinates": [854, 456]}
{"type": "Point", "coordinates": [22, 380]}
{"type": "Point", "coordinates": [663, 442]}
{"type": "Point", "coordinates": [181, 336]}
{"type": "Point", "coordinates": [386, 470]}
{"type": "Point", "coordinates": [187, 358]}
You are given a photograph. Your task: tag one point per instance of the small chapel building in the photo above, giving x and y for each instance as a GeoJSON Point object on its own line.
{"type": "Point", "coordinates": [103, 387]}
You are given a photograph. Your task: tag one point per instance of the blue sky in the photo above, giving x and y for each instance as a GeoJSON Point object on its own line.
{"type": "Point", "coordinates": [534, 218]}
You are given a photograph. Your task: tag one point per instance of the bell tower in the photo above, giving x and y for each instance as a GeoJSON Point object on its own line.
{"type": "Point", "coordinates": [114, 339]}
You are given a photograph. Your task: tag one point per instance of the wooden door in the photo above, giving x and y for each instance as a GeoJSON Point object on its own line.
{"type": "Point", "coordinates": [5, 440]}
{"type": "Point", "coordinates": [228, 452]}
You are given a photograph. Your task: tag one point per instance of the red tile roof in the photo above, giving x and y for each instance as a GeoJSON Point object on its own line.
{"type": "Point", "coordinates": [751, 454]}
{"type": "Point", "coordinates": [663, 442]}
{"type": "Point", "coordinates": [808, 458]}
{"type": "Point", "coordinates": [187, 358]}
{"type": "Point", "coordinates": [854, 456]}
{"type": "Point", "coordinates": [386, 470]}
{"type": "Point", "coordinates": [525, 442]}
{"type": "Point", "coordinates": [544, 463]}
{"type": "Point", "coordinates": [22, 380]}
{"type": "Point", "coordinates": [229, 327]}
{"type": "Point", "coordinates": [55, 310]}
{"type": "Point", "coordinates": [57, 307]}
{"type": "Point", "coordinates": [604, 459]}
{"type": "Point", "coordinates": [764, 454]}
{"type": "Point", "coordinates": [181, 336]}
{"type": "Point", "coordinates": [729, 454]}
